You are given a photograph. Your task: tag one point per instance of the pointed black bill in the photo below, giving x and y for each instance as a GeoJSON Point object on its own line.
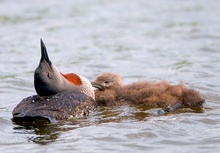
{"type": "Point", "coordinates": [44, 55]}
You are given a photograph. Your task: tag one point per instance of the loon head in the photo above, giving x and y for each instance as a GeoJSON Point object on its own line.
{"type": "Point", "coordinates": [46, 75]}
{"type": "Point", "coordinates": [48, 80]}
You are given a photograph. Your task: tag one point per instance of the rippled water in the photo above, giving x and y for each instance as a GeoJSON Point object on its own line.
{"type": "Point", "coordinates": [173, 40]}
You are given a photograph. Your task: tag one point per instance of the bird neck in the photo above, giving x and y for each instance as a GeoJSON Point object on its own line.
{"type": "Point", "coordinates": [77, 83]}
{"type": "Point", "coordinates": [73, 78]}
{"type": "Point", "coordinates": [87, 87]}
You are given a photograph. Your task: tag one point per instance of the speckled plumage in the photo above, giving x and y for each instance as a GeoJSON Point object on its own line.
{"type": "Point", "coordinates": [60, 106]}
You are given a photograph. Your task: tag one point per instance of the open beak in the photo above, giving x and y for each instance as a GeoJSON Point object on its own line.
{"type": "Point", "coordinates": [98, 86]}
{"type": "Point", "coordinates": [44, 55]}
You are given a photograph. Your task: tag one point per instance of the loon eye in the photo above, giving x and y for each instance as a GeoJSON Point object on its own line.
{"type": "Point", "coordinates": [106, 81]}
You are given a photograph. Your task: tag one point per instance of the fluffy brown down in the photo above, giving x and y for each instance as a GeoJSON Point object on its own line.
{"type": "Point", "coordinates": [152, 94]}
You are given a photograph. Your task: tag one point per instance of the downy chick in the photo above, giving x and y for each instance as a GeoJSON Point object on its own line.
{"type": "Point", "coordinates": [111, 91]}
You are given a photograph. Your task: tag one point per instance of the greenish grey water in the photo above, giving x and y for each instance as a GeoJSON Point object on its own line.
{"type": "Point", "coordinates": [173, 40]}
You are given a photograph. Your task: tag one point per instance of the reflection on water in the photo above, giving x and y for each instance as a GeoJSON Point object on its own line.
{"type": "Point", "coordinates": [45, 132]}
{"type": "Point", "coordinates": [177, 41]}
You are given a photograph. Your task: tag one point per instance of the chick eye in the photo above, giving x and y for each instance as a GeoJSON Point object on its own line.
{"type": "Point", "coordinates": [48, 75]}
{"type": "Point", "coordinates": [106, 81]}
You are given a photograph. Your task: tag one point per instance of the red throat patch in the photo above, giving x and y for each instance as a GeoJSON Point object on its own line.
{"type": "Point", "coordinates": [73, 78]}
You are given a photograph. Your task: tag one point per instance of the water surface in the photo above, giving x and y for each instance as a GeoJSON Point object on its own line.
{"type": "Point", "coordinates": [173, 40]}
